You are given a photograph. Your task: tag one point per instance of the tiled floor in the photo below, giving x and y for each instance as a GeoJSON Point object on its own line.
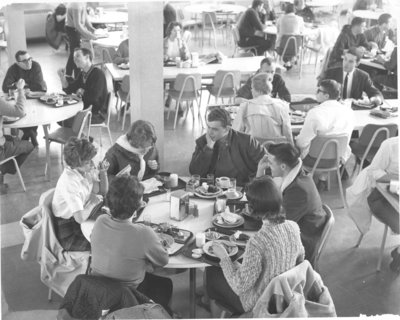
{"type": "Point", "coordinates": [348, 272]}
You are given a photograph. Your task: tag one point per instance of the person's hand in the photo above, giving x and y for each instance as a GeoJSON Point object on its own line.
{"type": "Point", "coordinates": [80, 92]}
{"type": "Point", "coordinates": [153, 164]}
{"type": "Point", "coordinates": [376, 101]}
{"type": "Point", "coordinates": [61, 72]}
{"type": "Point", "coordinates": [210, 142]}
{"type": "Point", "coordinates": [219, 250]}
{"type": "Point", "coordinates": [103, 165]}
{"type": "Point", "coordinates": [20, 84]}
{"type": "Point", "coordinates": [262, 165]}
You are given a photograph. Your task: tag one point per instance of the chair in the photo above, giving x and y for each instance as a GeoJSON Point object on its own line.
{"type": "Point", "coordinates": [330, 221]}
{"type": "Point", "coordinates": [292, 47]}
{"type": "Point", "coordinates": [324, 156]}
{"type": "Point", "coordinates": [369, 142]}
{"type": "Point", "coordinates": [324, 65]}
{"type": "Point", "coordinates": [61, 135]}
{"type": "Point", "coordinates": [17, 168]}
{"type": "Point", "coordinates": [107, 55]}
{"type": "Point", "coordinates": [124, 95]}
{"type": "Point", "coordinates": [187, 23]}
{"type": "Point", "coordinates": [186, 88]}
{"type": "Point", "coordinates": [224, 85]}
{"type": "Point", "coordinates": [210, 23]}
{"type": "Point", "coordinates": [3, 37]}
{"type": "Point", "coordinates": [106, 123]}
{"type": "Point", "coordinates": [238, 47]}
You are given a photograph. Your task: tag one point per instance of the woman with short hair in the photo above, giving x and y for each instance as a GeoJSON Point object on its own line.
{"type": "Point", "coordinates": [128, 251]}
{"type": "Point", "coordinates": [174, 43]}
{"type": "Point", "coordinates": [77, 188]}
{"type": "Point", "coordinates": [274, 249]}
{"type": "Point", "coordinates": [137, 149]}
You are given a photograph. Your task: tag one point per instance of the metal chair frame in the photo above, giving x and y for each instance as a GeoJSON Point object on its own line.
{"type": "Point", "coordinates": [236, 38]}
{"type": "Point", "coordinates": [106, 123]}
{"type": "Point", "coordinates": [12, 158]}
{"type": "Point", "coordinates": [298, 50]}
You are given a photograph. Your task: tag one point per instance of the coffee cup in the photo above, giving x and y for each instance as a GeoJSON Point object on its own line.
{"type": "Point", "coordinates": [223, 182]}
{"type": "Point", "coordinates": [394, 186]}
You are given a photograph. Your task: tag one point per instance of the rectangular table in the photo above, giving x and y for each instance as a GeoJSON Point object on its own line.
{"type": "Point", "coordinates": [382, 188]}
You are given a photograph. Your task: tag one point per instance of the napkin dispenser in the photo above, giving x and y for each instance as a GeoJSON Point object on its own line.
{"type": "Point", "coordinates": [179, 205]}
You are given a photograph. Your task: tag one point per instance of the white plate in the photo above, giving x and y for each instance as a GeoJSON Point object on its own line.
{"type": "Point", "coordinates": [212, 235]}
{"type": "Point", "coordinates": [239, 221]}
{"type": "Point", "coordinates": [238, 195]}
{"type": "Point", "coordinates": [200, 193]}
{"type": "Point", "coordinates": [232, 248]}
{"type": "Point", "coordinates": [167, 238]}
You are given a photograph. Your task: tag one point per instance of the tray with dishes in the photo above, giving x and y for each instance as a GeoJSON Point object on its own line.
{"type": "Point", "coordinates": [53, 99]}
{"type": "Point", "coordinates": [208, 193]}
{"type": "Point", "coordinates": [362, 104]}
{"type": "Point", "coordinates": [234, 236]}
{"type": "Point", "coordinates": [34, 94]}
{"type": "Point", "coordinates": [227, 220]}
{"type": "Point", "coordinates": [163, 178]}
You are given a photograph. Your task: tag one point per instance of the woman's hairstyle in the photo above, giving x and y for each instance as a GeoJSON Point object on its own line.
{"type": "Point", "coordinates": [221, 115]}
{"type": "Point", "coordinates": [77, 151]}
{"type": "Point", "coordinates": [124, 196]}
{"type": "Point", "coordinates": [140, 132]}
{"type": "Point", "coordinates": [285, 153]}
{"type": "Point", "coordinates": [171, 26]}
{"type": "Point", "coordinates": [265, 199]}
{"type": "Point", "coordinates": [262, 82]}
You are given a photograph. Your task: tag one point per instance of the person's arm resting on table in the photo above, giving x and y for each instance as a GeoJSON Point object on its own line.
{"type": "Point", "coordinates": [201, 158]}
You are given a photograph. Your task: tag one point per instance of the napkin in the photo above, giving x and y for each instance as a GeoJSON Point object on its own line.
{"type": "Point", "coordinates": [228, 217]}
{"type": "Point", "coordinates": [151, 185]}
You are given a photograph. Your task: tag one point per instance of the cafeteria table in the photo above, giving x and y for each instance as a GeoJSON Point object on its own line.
{"type": "Point", "coordinates": [109, 17]}
{"type": "Point", "coordinates": [41, 114]}
{"type": "Point", "coordinates": [112, 40]}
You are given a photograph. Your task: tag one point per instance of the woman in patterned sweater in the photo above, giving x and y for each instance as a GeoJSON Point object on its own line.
{"type": "Point", "coordinates": [274, 249]}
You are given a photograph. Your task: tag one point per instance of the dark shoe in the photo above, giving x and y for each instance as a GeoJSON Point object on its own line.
{"type": "Point", "coordinates": [91, 139]}
{"type": "Point", "coordinates": [395, 264]}
{"type": "Point", "coordinates": [3, 188]}
{"type": "Point", "coordinates": [201, 303]}
{"type": "Point", "coordinates": [322, 185]}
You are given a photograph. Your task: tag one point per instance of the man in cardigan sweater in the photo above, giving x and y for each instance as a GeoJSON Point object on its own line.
{"type": "Point", "coordinates": [301, 199]}
{"type": "Point", "coordinates": [90, 84]}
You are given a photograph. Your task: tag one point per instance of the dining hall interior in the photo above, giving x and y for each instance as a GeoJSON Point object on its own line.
{"type": "Point", "coordinates": [347, 267]}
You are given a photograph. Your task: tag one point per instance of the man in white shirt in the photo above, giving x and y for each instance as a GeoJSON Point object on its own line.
{"type": "Point", "coordinates": [330, 117]}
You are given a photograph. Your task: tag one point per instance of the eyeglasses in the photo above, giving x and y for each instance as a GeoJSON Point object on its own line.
{"type": "Point", "coordinates": [26, 60]}
{"type": "Point", "coordinates": [319, 90]}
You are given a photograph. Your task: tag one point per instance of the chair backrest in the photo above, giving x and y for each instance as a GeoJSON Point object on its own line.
{"type": "Point", "coordinates": [209, 20]}
{"type": "Point", "coordinates": [81, 120]}
{"type": "Point", "coordinates": [109, 106]}
{"type": "Point", "coordinates": [187, 82]}
{"type": "Point", "coordinates": [324, 64]}
{"type": "Point", "coordinates": [107, 54]}
{"type": "Point", "coordinates": [291, 44]}
{"type": "Point", "coordinates": [328, 147]}
{"type": "Point", "coordinates": [329, 222]}
{"type": "Point", "coordinates": [125, 84]}
{"type": "Point", "coordinates": [225, 79]}
{"type": "Point", "coordinates": [236, 35]}
{"type": "Point", "coordinates": [376, 134]}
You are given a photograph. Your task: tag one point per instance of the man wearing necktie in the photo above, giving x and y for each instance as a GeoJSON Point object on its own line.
{"type": "Point", "coordinates": [355, 82]}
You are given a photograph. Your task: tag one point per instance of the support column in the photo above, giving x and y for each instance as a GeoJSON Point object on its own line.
{"type": "Point", "coordinates": [16, 38]}
{"type": "Point", "coordinates": [146, 60]}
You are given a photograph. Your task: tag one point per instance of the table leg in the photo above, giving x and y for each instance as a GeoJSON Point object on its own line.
{"type": "Point", "coordinates": [192, 293]}
{"type": "Point", "coordinates": [46, 135]}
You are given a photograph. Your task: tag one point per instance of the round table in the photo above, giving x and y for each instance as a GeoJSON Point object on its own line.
{"type": "Point", "coordinates": [109, 17]}
{"type": "Point", "coordinates": [112, 41]}
{"type": "Point", "coordinates": [40, 114]}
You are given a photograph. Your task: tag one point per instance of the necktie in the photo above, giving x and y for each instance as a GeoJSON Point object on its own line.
{"type": "Point", "coordinates": [346, 79]}
{"type": "Point", "coordinates": [142, 167]}
{"type": "Point", "coordinates": [214, 157]}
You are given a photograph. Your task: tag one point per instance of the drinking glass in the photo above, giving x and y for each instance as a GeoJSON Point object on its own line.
{"type": "Point", "coordinates": [220, 204]}
{"type": "Point", "coordinates": [210, 179]}
{"type": "Point", "coordinates": [196, 179]}
{"type": "Point", "coordinates": [232, 185]}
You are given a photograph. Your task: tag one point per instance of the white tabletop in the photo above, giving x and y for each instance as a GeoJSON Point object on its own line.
{"type": "Point", "coordinates": [113, 40]}
{"type": "Point", "coordinates": [38, 113]}
{"type": "Point", "coordinates": [109, 17]}
{"type": "Point", "coordinates": [367, 14]}
{"type": "Point", "coordinates": [213, 7]}
{"type": "Point", "coordinates": [323, 3]}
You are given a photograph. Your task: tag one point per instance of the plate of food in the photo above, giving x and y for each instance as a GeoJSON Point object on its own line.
{"type": "Point", "coordinates": [230, 248]}
{"type": "Point", "coordinates": [227, 220]}
{"type": "Point", "coordinates": [209, 193]}
{"type": "Point", "coordinates": [212, 235]}
{"type": "Point", "coordinates": [361, 103]}
{"type": "Point", "coordinates": [239, 238]}
{"type": "Point", "coordinates": [166, 240]}
{"type": "Point", "coordinates": [49, 98]}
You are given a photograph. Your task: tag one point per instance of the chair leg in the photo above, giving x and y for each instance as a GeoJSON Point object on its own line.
{"type": "Point", "coordinates": [378, 267]}
{"type": "Point", "coordinates": [19, 174]}
{"type": "Point", "coordinates": [124, 116]}
{"type": "Point", "coordinates": [109, 135]}
{"type": "Point", "coordinates": [176, 112]}
{"type": "Point", "coordinates": [341, 189]}
{"type": "Point", "coordinates": [49, 295]}
{"type": "Point", "coordinates": [359, 240]}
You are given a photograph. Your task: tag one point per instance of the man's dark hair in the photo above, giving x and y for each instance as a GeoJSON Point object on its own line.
{"type": "Point", "coordinates": [384, 18]}
{"type": "Point", "coordinates": [256, 3]}
{"type": "Point", "coordinates": [331, 87]}
{"type": "Point", "coordinates": [357, 21]}
{"type": "Point", "coordinates": [77, 151]}
{"type": "Point", "coordinates": [355, 52]}
{"type": "Point", "coordinates": [265, 199]}
{"type": "Point", "coordinates": [221, 115]}
{"type": "Point", "coordinates": [267, 61]}
{"type": "Point", "coordinates": [124, 196]}
{"type": "Point", "coordinates": [285, 153]}
{"type": "Point", "coordinates": [171, 26]}
{"type": "Point", "coordinates": [86, 52]}
{"type": "Point", "coordinates": [20, 53]}
{"type": "Point", "coordinates": [289, 8]}
{"type": "Point", "coordinates": [140, 132]}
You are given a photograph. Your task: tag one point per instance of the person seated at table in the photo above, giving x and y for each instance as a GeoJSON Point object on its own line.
{"type": "Point", "coordinates": [274, 249]}
{"type": "Point", "coordinates": [279, 89]}
{"type": "Point", "coordinates": [268, 12]}
{"type": "Point", "coordinates": [175, 44]}
{"type": "Point", "coordinates": [352, 35]}
{"type": "Point", "coordinates": [358, 81]}
{"type": "Point", "coordinates": [90, 85]}
{"type": "Point", "coordinates": [304, 11]}
{"type": "Point", "coordinates": [275, 125]}
{"type": "Point", "coordinates": [301, 200]}
{"type": "Point", "coordinates": [122, 54]}
{"type": "Point", "coordinates": [137, 149]}
{"type": "Point", "coordinates": [224, 151]}
{"type": "Point", "coordinates": [79, 189]}
{"type": "Point", "coordinates": [10, 146]}
{"type": "Point", "coordinates": [29, 70]}
{"type": "Point", "coordinates": [387, 78]}
{"type": "Point", "coordinates": [287, 25]}
{"type": "Point", "coordinates": [251, 28]}
{"type": "Point", "coordinates": [330, 117]}
{"type": "Point", "coordinates": [378, 34]}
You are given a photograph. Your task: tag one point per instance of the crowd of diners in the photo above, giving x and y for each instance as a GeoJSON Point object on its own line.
{"type": "Point", "coordinates": [290, 207]}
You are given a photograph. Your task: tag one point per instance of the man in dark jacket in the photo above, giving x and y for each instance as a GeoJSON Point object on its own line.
{"type": "Point", "coordinates": [301, 199]}
{"type": "Point", "coordinates": [29, 70]}
{"type": "Point", "coordinates": [351, 36]}
{"type": "Point", "coordinates": [224, 151]}
{"type": "Point", "coordinates": [279, 89]}
{"type": "Point", "coordinates": [90, 84]}
{"type": "Point", "coordinates": [358, 81]}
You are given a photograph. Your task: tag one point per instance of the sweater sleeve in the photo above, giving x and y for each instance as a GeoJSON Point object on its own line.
{"type": "Point", "coordinates": [242, 277]}
{"type": "Point", "coordinates": [13, 110]}
{"type": "Point", "coordinates": [155, 252]}
{"type": "Point", "coordinates": [255, 20]}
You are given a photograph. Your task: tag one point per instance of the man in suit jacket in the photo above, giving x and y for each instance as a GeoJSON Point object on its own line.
{"type": "Point", "coordinates": [358, 81]}
{"type": "Point", "coordinates": [301, 199]}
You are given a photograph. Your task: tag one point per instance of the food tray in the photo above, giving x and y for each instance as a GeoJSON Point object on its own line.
{"type": "Point", "coordinates": [162, 189]}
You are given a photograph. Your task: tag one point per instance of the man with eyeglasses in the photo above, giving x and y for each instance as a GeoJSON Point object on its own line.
{"type": "Point", "coordinates": [29, 70]}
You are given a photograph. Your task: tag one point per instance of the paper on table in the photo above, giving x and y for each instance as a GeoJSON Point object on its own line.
{"type": "Point", "coordinates": [151, 185]}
